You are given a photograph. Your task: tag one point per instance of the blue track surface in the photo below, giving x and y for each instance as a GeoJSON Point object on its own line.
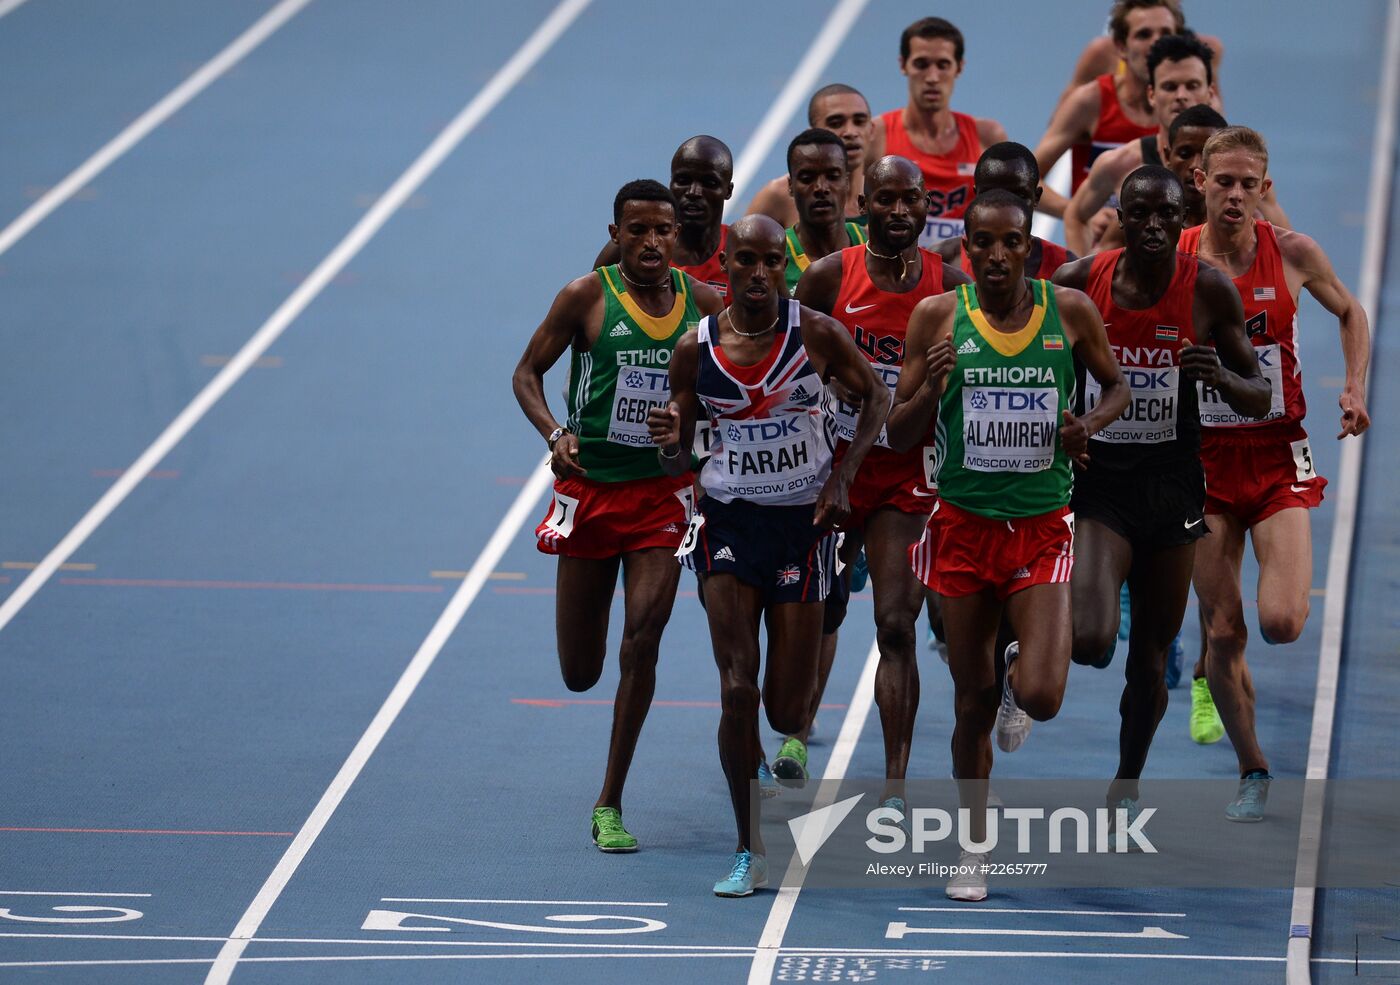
{"type": "Point", "coordinates": [219, 645]}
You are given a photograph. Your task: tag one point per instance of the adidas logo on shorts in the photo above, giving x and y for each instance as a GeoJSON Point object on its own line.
{"type": "Point", "coordinates": [724, 554]}
{"type": "Point", "coordinates": [619, 329]}
{"type": "Point", "coordinates": [968, 347]}
{"type": "Point", "coordinates": [1021, 573]}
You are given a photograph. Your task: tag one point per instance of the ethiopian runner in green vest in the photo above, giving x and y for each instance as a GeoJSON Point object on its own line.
{"type": "Point", "coordinates": [819, 183]}
{"type": "Point", "coordinates": [994, 362]}
{"type": "Point", "coordinates": [614, 506]}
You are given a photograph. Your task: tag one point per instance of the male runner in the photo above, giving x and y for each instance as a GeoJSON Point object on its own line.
{"type": "Point", "coordinates": [872, 290]}
{"type": "Point", "coordinates": [1139, 504]}
{"type": "Point", "coordinates": [819, 182]}
{"type": "Point", "coordinates": [994, 362]}
{"type": "Point", "coordinates": [612, 503]}
{"type": "Point", "coordinates": [1260, 477]}
{"type": "Point", "coordinates": [702, 171]}
{"type": "Point", "coordinates": [845, 112]}
{"type": "Point", "coordinates": [759, 536]}
{"type": "Point", "coordinates": [1111, 109]}
{"type": "Point", "coordinates": [1101, 54]}
{"type": "Point", "coordinates": [944, 144]}
{"type": "Point", "coordinates": [1185, 138]}
{"type": "Point", "coordinates": [1013, 167]}
{"type": "Point", "coordinates": [1179, 75]}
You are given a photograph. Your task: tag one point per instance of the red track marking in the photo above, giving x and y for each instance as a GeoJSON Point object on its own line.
{"type": "Point", "coordinates": [287, 586]}
{"type": "Point", "coordinates": [117, 473]}
{"type": "Point", "coordinates": [561, 702]}
{"type": "Point", "coordinates": [541, 590]}
{"type": "Point", "coordinates": [155, 831]}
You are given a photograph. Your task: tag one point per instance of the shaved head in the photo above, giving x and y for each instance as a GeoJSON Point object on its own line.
{"type": "Point", "coordinates": [757, 231]}
{"type": "Point", "coordinates": [1148, 178]}
{"type": "Point", "coordinates": [707, 149]}
{"type": "Point", "coordinates": [894, 168]}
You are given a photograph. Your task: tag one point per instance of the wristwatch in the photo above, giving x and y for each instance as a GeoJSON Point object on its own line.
{"type": "Point", "coordinates": [555, 435]}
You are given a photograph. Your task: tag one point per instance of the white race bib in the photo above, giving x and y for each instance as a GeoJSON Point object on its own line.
{"type": "Point", "coordinates": [1009, 429]}
{"type": "Point", "coordinates": [638, 390]}
{"type": "Point", "coordinates": [692, 535]}
{"type": "Point", "coordinates": [1216, 413]}
{"type": "Point", "coordinates": [844, 414]}
{"type": "Point", "coordinates": [1303, 460]}
{"type": "Point", "coordinates": [562, 513]}
{"type": "Point", "coordinates": [1150, 417]}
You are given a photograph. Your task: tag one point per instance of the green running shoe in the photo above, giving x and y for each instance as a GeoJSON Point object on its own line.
{"type": "Point", "coordinates": [609, 834]}
{"type": "Point", "coordinates": [1206, 726]}
{"type": "Point", "coordinates": [790, 765]}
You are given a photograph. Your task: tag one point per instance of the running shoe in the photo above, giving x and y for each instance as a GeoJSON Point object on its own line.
{"type": "Point", "coordinates": [1248, 805]}
{"type": "Point", "coordinates": [1125, 612]}
{"type": "Point", "coordinates": [860, 571]}
{"type": "Point", "coordinates": [1013, 724]}
{"type": "Point", "coordinates": [609, 834]}
{"type": "Point", "coordinates": [790, 765]}
{"type": "Point", "coordinates": [1131, 806]}
{"type": "Point", "coordinates": [1174, 655]}
{"type": "Point", "coordinates": [767, 783]}
{"type": "Point", "coordinates": [1206, 726]}
{"type": "Point", "coordinates": [812, 729]}
{"type": "Point", "coordinates": [934, 643]}
{"type": "Point", "coordinates": [747, 872]}
{"type": "Point", "coordinates": [969, 883]}
{"type": "Point", "coordinates": [897, 804]}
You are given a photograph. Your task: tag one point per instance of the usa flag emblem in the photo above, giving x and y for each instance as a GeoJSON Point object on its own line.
{"type": "Point", "coordinates": [790, 575]}
{"type": "Point", "coordinates": [966, 168]}
{"type": "Point", "coordinates": [1264, 294]}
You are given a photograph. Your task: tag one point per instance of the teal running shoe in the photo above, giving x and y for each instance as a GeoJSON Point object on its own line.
{"type": "Point", "coordinates": [747, 872]}
{"type": "Point", "coordinates": [897, 804]}
{"type": "Point", "coordinates": [767, 782]}
{"type": "Point", "coordinates": [609, 834]}
{"type": "Point", "coordinates": [790, 765]}
{"type": "Point", "coordinates": [1131, 806]}
{"type": "Point", "coordinates": [1248, 805]}
{"type": "Point", "coordinates": [860, 572]}
{"type": "Point", "coordinates": [1174, 655]}
{"type": "Point", "coordinates": [1125, 612]}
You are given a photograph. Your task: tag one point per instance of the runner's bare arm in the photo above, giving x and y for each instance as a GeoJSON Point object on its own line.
{"type": "Point", "coordinates": [954, 275]}
{"type": "Point", "coordinates": [1073, 122]}
{"type": "Point", "coordinates": [989, 131]}
{"type": "Point", "coordinates": [948, 249]}
{"type": "Point", "coordinates": [928, 359]}
{"type": "Point", "coordinates": [820, 283]}
{"type": "Point", "coordinates": [1224, 359]}
{"type": "Point", "coordinates": [1074, 274]}
{"type": "Point", "coordinates": [877, 142]}
{"type": "Point", "coordinates": [610, 254]}
{"type": "Point", "coordinates": [576, 307]}
{"type": "Point", "coordinates": [1104, 178]}
{"type": "Point", "coordinates": [775, 201]}
{"type": "Point", "coordinates": [1099, 57]}
{"type": "Point", "coordinates": [707, 299]}
{"type": "Point", "coordinates": [1322, 282]}
{"type": "Point", "coordinates": [1270, 209]}
{"type": "Point", "coordinates": [673, 427]}
{"type": "Point", "coordinates": [1090, 342]}
{"type": "Point", "coordinates": [835, 357]}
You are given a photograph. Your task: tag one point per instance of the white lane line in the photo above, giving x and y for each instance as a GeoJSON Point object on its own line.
{"type": "Point", "coordinates": [899, 930]}
{"type": "Point", "coordinates": [31, 892]}
{"type": "Point", "coordinates": [373, 220]}
{"type": "Point", "coordinates": [170, 104]}
{"type": "Point", "coordinates": [979, 911]}
{"type": "Point", "coordinates": [516, 902]}
{"type": "Point", "coordinates": [793, 96]}
{"type": "Point", "coordinates": [1344, 527]}
{"type": "Point", "coordinates": [7, 6]}
{"type": "Point", "coordinates": [413, 674]}
{"type": "Point", "coordinates": [770, 942]}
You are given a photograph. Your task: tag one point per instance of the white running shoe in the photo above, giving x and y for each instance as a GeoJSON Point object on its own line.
{"type": "Point", "coordinates": [969, 883]}
{"type": "Point", "coordinates": [1013, 724]}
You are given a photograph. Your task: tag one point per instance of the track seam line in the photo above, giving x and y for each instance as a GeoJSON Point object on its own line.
{"type": "Point", "coordinates": [8, 6]}
{"type": "Point", "coordinates": [407, 183]}
{"type": "Point", "coordinates": [1373, 249]}
{"type": "Point", "coordinates": [168, 106]}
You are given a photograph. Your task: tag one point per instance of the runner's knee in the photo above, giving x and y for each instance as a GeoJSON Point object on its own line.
{"type": "Point", "coordinates": [1039, 700]}
{"type": "Point", "coordinates": [580, 674]}
{"type": "Point", "coordinates": [739, 696]}
{"type": "Point", "coordinates": [1092, 639]}
{"type": "Point", "coordinates": [1282, 625]}
{"type": "Point", "coordinates": [895, 636]}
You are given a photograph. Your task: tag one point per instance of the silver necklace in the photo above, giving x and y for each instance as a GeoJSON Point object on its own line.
{"type": "Point", "coordinates": [635, 283]}
{"type": "Point", "coordinates": [750, 335]}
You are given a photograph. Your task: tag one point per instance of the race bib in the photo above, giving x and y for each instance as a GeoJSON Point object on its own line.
{"type": "Point", "coordinates": [1302, 460]}
{"type": "Point", "coordinates": [638, 390]}
{"type": "Point", "coordinates": [1150, 417]}
{"type": "Point", "coordinates": [931, 466]}
{"type": "Point", "coordinates": [1009, 429]}
{"type": "Point", "coordinates": [692, 535]}
{"type": "Point", "coordinates": [686, 494]}
{"type": "Point", "coordinates": [562, 514]}
{"type": "Point", "coordinates": [765, 458]}
{"type": "Point", "coordinates": [1216, 413]}
{"type": "Point", "coordinates": [704, 434]}
{"type": "Point", "coordinates": [844, 414]}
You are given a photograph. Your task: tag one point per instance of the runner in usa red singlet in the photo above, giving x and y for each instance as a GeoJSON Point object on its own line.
{"type": "Point", "coordinates": [1139, 503]}
{"type": "Point", "coordinates": [702, 170]}
{"type": "Point", "coordinates": [944, 144]}
{"type": "Point", "coordinates": [1010, 166]}
{"type": "Point", "coordinates": [872, 290]}
{"type": "Point", "coordinates": [1260, 476]}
